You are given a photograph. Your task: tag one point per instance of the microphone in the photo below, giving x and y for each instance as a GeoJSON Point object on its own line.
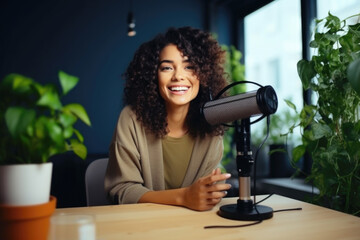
{"type": "Point", "coordinates": [228, 109]}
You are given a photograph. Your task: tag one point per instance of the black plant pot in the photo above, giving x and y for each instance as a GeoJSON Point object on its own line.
{"type": "Point", "coordinates": [280, 166]}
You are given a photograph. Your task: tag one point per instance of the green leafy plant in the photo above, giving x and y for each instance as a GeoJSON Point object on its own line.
{"type": "Point", "coordinates": [279, 123]}
{"type": "Point", "coordinates": [331, 127]}
{"type": "Point", "coordinates": [34, 124]}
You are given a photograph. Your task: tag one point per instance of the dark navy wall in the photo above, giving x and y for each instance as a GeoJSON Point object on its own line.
{"type": "Point", "coordinates": [220, 21]}
{"type": "Point", "coordinates": [86, 39]}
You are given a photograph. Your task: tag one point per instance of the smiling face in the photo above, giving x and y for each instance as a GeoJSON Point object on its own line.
{"type": "Point", "coordinates": [178, 83]}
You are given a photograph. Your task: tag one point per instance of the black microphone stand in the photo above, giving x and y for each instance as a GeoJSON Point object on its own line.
{"type": "Point", "coordinates": [245, 209]}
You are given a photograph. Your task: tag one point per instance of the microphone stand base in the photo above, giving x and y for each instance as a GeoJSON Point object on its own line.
{"type": "Point", "coordinates": [232, 211]}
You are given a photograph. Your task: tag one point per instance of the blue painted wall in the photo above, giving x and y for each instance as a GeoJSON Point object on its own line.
{"type": "Point", "coordinates": [86, 39]}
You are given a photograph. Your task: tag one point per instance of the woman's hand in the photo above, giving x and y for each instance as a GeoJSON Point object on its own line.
{"type": "Point", "coordinates": [205, 193]}
{"type": "Point", "coordinates": [202, 195]}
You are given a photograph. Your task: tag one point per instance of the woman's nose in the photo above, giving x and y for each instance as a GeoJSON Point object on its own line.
{"type": "Point", "coordinates": [178, 75]}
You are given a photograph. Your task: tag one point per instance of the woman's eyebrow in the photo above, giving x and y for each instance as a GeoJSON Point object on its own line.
{"type": "Point", "coordinates": [170, 61]}
{"type": "Point", "coordinates": [166, 61]}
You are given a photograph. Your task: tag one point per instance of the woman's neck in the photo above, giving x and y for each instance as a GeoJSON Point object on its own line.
{"type": "Point", "coordinates": [176, 121]}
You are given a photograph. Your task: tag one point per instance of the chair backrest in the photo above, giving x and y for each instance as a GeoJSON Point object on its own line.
{"type": "Point", "coordinates": [94, 183]}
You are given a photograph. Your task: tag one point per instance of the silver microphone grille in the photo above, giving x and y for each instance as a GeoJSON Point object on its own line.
{"type": "Point", "coordinates": [231, 108]}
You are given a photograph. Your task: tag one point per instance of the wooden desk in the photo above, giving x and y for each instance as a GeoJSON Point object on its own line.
{"type": "Point", "coordinates": [153, 221]}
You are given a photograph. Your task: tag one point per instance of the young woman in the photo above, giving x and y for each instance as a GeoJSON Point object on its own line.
{"type": "Point", "coordinates": [163, 151]}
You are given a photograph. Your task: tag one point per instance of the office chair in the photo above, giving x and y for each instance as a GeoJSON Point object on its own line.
{"type": "Point", "coordinates": [94, 183]}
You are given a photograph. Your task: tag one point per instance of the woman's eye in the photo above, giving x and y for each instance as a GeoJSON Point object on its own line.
{"type": "Point", "coordinates": [190, 67]}
{"type": "Point", "coordinates": [165, 68]}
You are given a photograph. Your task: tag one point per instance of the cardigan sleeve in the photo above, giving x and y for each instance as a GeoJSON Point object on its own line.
{"type": "Point", "coordinates": [123, 180]}
{"type": "Point", "coordinates": [216, 150]}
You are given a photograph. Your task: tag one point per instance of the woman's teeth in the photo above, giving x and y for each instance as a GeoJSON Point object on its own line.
{"type": "Point", "coordinates": [178, 88]}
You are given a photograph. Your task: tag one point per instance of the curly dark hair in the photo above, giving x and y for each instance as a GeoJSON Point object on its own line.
{"type": "Point", "coordinates": [142, 91]}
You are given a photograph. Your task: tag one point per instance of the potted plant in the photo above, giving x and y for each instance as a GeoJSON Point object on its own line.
{"type": "Point", "coordinates": [331, 127]}
{"type": "Point", "coordinates": [34, 125]}
{"type": "Point", "coordinates": [279, 143]}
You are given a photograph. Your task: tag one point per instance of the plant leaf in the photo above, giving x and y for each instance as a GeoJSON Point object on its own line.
{"type": "Point", "coordinates": [55, 132]}
{"type": "Point", "coordinates": [18, 119]}
{"type": "Point", "coordinates": [17, 83]}
{"type": "Point", "coordinates": [67, 119]}
{"type": "Point", "coordinates": [40, 131]}
{"type": "Point", "coordinates": [353, 75]}
{"type": "Point", "coordinates": [346, 42]}
{"type": "Point", "coordinates": [68, 132]}
{"type": "Point", "coordinates": [78, 148]}
{"type": "Point", "coordinates": [79, 135]}
{"type": "Point", "coordinates": [313, 44]}
{"type": "Point", "coordinates": [332, 22]}
{"type": "Point", "coordinates": [67, 81]}
{"type": "Point", "coordinates": [298, 152]}
{"type": "Point", "coordinates": [50, 99]}
{"type": "Point", "coordinates": [306, 72]}
{"type": "Point", "coordinates": [321, 130]}
{"type": "Point", "coordinates": [78, 111]}
{"type": "Point", "coordinates": [290, 104]}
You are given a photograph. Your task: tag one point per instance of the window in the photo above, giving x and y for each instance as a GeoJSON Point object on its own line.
{"type": "Point", "coordinates": [341, 9]}
{"type": "Point", "coordinates": [272, 49]}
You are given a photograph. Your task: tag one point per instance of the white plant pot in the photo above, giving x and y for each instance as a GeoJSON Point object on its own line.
{"type": "Point", "coordinates": [25, 184]}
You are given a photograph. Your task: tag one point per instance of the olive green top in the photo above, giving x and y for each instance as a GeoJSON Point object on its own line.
{"type": "Point", "coordinates": [177, 154]}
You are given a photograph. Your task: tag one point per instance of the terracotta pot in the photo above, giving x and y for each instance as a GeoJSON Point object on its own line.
{"type": "Point", "coordinates": [26, 222]}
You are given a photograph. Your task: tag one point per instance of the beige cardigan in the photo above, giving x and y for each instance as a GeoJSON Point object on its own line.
{"type": "Point", "coordinates": [136, 161]}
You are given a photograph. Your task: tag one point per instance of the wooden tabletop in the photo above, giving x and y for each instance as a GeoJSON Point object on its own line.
{"type": "Point", "coordinates": [155, 221]}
